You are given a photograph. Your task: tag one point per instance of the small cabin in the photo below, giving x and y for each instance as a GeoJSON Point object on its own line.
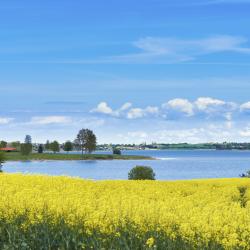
{"type": "Point", "coordinates": [8, 149]}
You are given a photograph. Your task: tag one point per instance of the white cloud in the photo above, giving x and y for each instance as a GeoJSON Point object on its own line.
{"type": "Point", "coordinates": [135, 113]}
{"type": "Point", "coordinates": [194, 47]}
{"type": "Point", "coordinates": [204, 103]}
{"type": "Point", "coordinates": [202, 107]}
{"type": "Point", "coordinates": [103, 108]}
{"type": "Point", "coordinates": [170, 50]}
{"type": "Point", "coordinates": [178, 104]}
{"type": "Point", "coordinates": [177, 134]}
{"type": "Point", "coordinates": [151, 110]}
{"type": "Point", "coordinates": [5, 120]}
{"type": "Point", "coordinates": [245, 132]}
{"type": "Point", "coordinates": [46, 120]}
{"type": "Point", "coordinates": [216, 107]}
{"type": "Point", "coordinates": [139, 112]}
{"type": "Point", "coordinates": [245, 107]}
{"type": "Point", "coordinates": [125, 110]}
{"type": "Point", "coordinates": [125, 106]}
{"type": "Point", "coordinates": [228, 117]}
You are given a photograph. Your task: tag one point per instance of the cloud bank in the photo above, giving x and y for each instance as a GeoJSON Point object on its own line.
{"type": "Point", "coordinates": [5, 120]}
{"type": "Point", "coordinates": [205, 119]}
{"type": "Point", "coordinates": [202, 107]}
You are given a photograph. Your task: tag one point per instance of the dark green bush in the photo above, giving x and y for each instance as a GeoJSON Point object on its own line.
{"type": "Point", "coordinates": [117, 151]}
{"type": "Point", "coordinates": [40, 149]}
{"type": "Point", "coordinates": [141, 173]}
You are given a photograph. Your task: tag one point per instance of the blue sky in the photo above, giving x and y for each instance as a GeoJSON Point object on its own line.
{"type": "Point", "coordinates": [133, 71]}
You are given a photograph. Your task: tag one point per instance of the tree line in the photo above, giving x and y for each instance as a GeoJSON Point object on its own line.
{"type": "Point", "coordinates": [85, 142]}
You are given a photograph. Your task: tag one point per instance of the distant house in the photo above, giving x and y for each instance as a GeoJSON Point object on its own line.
{"type": "Point", "coordinates": [8, 149]}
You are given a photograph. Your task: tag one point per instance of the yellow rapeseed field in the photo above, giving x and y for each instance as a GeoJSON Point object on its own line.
{"type": "Point", "coordinates": [71, 213]}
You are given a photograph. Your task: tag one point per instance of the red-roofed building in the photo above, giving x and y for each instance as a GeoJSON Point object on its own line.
{"type": "Point", "coordinates": [8, 149]}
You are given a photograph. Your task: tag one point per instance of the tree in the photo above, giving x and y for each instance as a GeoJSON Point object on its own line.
{"type": "Point", "coordinates": [26, 148]}
{"type": "Point", "coordinates": [68, 146]}
{"type": "Point", "coordinates": [54, 146]}
{"type": "Point", "coordinates": [117, 151]}
{"type": "Point", "coordinates": [47, 145]}
{"type": "Point", "coordinates": [16, 144]}
{"type": "Point", "coordinates": [40, 149]}
{"type": "Point", "coordinates": [28, 139]}
{"type": "Point", "coordinates": [86, 140]}
{"type": "Point", "coordinates": [2, 160]}
{"type": "Point", "coordinates": [141, 173]}
{"type": "Point", "coordinates": [3, 144]}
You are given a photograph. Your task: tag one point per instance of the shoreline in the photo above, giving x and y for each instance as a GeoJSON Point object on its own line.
{"type": "Point", "coordinates": [72, 157]}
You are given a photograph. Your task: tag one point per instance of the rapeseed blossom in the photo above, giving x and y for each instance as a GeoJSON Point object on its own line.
{"type": "Point", "coordinates": [198, 213]}
{"type": "Point", "coordinates": [150, 242]}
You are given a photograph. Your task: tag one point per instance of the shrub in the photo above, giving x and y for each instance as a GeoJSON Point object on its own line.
{"type": "Point", "coordinates": [40, 149]}
{"type": "Point", "coordinates": [141, 173]}
{"type": "Point", "coordinates": [116, 151]}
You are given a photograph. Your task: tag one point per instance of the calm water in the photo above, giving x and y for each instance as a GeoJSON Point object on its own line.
{"type": "Point", "coordinates": [170, 165]}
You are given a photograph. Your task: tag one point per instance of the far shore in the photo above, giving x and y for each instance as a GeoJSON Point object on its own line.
{"type": "Point", "coordinates": [16, 156]}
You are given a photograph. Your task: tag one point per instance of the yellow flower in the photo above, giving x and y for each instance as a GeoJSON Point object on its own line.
{"type": "Point", "coordinates": [199, 212]}
{"type": "Point", "coordinates": [150, 242]}
{"type": "Point", "coordinates": [117, 234]}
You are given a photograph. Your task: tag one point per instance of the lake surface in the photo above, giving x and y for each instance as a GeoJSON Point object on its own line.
{"type": "Point", "coordinates": [170, 165]}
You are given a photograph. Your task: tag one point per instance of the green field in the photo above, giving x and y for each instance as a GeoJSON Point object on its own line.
{"type": "Point", "coordinates": [18, 157]}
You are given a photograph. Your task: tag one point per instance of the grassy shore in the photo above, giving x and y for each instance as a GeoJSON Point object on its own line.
{"type": "Point", "coordinates": [64, 157]}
